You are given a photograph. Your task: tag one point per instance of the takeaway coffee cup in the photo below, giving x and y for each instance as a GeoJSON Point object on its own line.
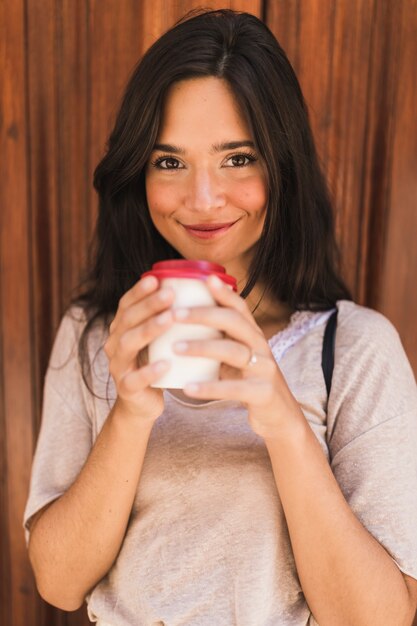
{"type": "Point", "coordinates": [188, 281]}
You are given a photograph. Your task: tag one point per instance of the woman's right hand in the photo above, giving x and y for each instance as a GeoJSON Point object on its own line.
{"type": "Point", "coordinates": [142, 315]}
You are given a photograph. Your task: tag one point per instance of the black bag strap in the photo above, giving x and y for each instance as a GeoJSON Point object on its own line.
{"type": "Point", "coordinates": [327, 355]}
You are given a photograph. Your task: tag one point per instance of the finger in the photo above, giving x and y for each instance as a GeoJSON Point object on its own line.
{"type": "Point", "coordinates": [256, 391]}
{"type": "Point", "coordinates": [133, 341]}
{"type": "Point", "coordinates": [225, 351]}
{"type": "Point", "coordinates": [140, 289]}
{"type": "Point", "coordinates": [135, 315]}
{"type": "Point", "coordinates": [143, 287]}
{"type": "Point", "coordinates": [229, 298]}
{"type": "Point", "coordinates": [141, 310]}
{"type": "Point", "coordinates": [228, 320]}
{"type": "Point", "coordinates": [149, 306]}
{"type": "Point", "coordinates": [138, 379]}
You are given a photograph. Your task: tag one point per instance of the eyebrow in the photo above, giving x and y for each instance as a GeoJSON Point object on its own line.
{"type": "Point", "coordinates": [217, 147]}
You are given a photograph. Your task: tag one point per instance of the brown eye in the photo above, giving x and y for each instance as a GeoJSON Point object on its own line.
{"type": "Point", "coordinates": [171, 164]}
{"type": "Point", "coordinates": [240, 160]}
{"type": "Point", "coordinates": [167, 163]}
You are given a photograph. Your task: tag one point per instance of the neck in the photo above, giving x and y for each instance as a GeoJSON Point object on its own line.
{"type": "Point", "coordinates": [267, 311]}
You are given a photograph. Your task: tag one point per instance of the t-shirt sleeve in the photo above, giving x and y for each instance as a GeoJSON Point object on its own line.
{"type": "Point", "coordinates": [65, 436]}
{"type": "Point", "coordinates": [372, 433]}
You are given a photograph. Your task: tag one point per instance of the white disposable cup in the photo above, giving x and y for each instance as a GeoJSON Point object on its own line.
{"type": "Point", "coordinates": [189, 292]}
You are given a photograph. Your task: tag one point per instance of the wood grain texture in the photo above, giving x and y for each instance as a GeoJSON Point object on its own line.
{"type": "Point", "coordinates": [5, 556]}
{"type": "Point", "coordinates": [43, 172]}
{"type": "Point", "coordinates": [113, 50]}
{"type": "Point", "coordinates": [64, 65]}
{"type": "Point", "coordinates": [160, 15]}
{"type": "Point", "coordinates": [60, 229]}
{"type": "Point", "coordinates": [15, 319]}
{"type": "Point", "coordinates": [73, 140]}
{"type": "Point", "coordinates": [329, 46]}
{"type": "Point", "coordinates": [397, 293]}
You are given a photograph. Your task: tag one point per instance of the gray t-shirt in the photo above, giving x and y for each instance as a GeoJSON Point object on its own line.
{"type": "Point", "coordinates": [207, 541]}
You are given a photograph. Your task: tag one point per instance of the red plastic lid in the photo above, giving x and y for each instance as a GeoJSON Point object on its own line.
{"type": "Point", "coordinates": [184, 268]}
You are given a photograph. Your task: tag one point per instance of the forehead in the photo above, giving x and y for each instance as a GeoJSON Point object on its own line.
{"type": "Point", "coordinates": [203, 106]}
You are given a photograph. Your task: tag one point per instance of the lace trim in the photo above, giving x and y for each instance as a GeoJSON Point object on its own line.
{"type": "Point", "coordinates": [301, 322]}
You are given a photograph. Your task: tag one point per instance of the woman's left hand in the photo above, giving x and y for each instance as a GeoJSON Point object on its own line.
{"type": "Point", "coordinates": [249, 372]}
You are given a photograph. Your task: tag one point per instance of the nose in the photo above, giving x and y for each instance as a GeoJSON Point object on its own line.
{"type": "Point", "coordinates": [204, 191]}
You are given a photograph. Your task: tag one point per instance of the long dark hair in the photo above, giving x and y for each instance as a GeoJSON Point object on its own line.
{"type": "Point", "coordinates": [297, 256]}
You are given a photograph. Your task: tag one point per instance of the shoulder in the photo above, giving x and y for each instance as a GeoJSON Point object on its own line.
{"type": "Point", "coordinates": [371, 367]}
{"type": "Point", "coordinates": [73, 324]}
{"type": "Point", "coordinates": [360, 322]}
{"type": "Point", "coordinates": [366, 335]}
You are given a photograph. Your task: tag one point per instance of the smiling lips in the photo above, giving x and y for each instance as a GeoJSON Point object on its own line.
{"type": "Point", "coordinates": [208, 230]}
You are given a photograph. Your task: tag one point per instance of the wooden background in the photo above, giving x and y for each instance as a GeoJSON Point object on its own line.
{"type": "Point", "coordinates": [63, 65]}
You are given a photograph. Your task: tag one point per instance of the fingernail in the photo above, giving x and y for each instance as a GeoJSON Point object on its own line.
{"type": "Point", "coordinates": [180, 346]}
{"type": "Point", "coordinates": [164, 317]}
{"type": "Point", "coordinates": [181, 314]}
{"type": "Point", "coordinates": [215, 282]}
{"type": "Point", "coordinates": [148, 282]}
{"type": "Point", "coordinates": [160, 366]}
{"type": "Point", "coordinates": [165, 294]}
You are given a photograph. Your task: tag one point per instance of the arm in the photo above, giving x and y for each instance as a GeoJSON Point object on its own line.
{"type": "Point", "coordinates": [347, 576]}
{"type": "Point", "coordinates": [75, 540]}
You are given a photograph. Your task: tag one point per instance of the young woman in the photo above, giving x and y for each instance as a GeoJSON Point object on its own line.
{"type": "Point", "coordinates": [257, 499]}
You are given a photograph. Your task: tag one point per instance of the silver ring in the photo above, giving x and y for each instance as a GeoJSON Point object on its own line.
{"type": "Point", "coordinates": [252, 360]}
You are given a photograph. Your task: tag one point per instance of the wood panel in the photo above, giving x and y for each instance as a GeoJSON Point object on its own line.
{"type": "Point", "coordinates": [17, 399]}
{"type": "Point", "coordinates": [383, 77]}
{"type": "Point", "coordinates": [160, 15]}
{"type": "Point", "coordinates": [64, 65]}
{"type": "Point", "coordinates": [329, 46]}
{"type": "Point", "coordinates": [43, 148]}
{"type": "Point", "coordinates": [397, 293]}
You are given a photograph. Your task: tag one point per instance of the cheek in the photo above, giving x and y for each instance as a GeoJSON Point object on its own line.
{"type": "Point", "coordinates": [159, 201]}
{"type": "Point", "coordinates": [250, 195]}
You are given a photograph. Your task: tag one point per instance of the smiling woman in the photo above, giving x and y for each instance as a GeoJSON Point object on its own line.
{"type": "Point", "coordinates": [256, 498]}
{"type": "Point", "coordinates": [206, 186]}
